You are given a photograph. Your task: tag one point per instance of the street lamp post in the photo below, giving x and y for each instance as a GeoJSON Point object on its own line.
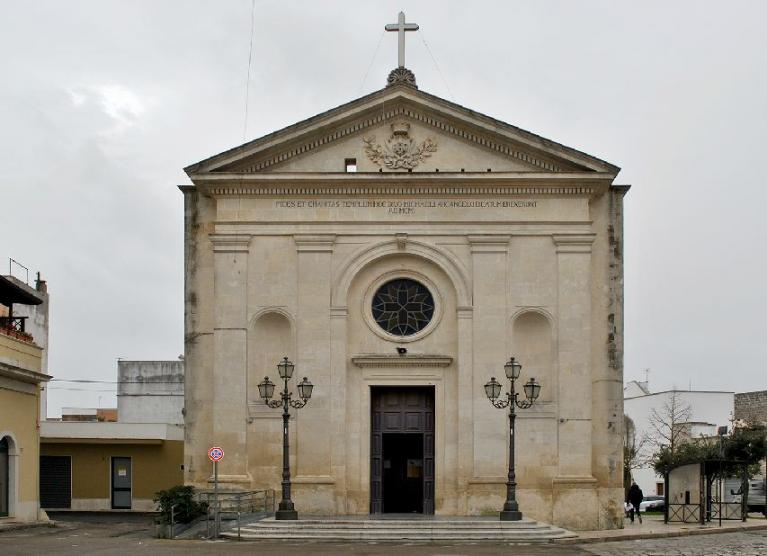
{"type": "Point", "coordinates": [286, 508]}
{"type": "Point", "coordinates": [493, 391]}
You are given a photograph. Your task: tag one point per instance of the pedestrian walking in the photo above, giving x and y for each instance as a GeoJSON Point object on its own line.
{"type": "Point", "coordinates": [635, 498]}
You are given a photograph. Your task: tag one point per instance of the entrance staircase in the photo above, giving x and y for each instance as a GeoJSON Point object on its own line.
{"type": "Point", "coordinates": [394, 528]}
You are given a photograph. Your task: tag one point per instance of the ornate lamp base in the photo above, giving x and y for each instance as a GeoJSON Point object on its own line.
{"type": "Point", "coordinates": [511, 515]}
{"type": "Point", "coordinates": [286, 511]}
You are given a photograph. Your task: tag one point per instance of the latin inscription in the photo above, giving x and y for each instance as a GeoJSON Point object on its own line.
{"type": "Point", "coordinates": [403, 206]}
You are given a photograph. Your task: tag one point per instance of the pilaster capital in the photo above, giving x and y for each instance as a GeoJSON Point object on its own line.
{"type": "Point", "coordinates": [230, 243]}
{"type": "Point", "coordinates": [489, 243]}
{"type": "Point", "coordinates": [465, 312]}
{"type": "Point", "coordinates": [339, 312]}
{"type": "Point", "coordinates": [573, 243]}
{"type": "Point", "coordinates": [314, 243]}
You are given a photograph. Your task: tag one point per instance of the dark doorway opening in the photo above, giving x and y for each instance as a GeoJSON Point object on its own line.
{"type": "Point", "coordinates": [402, 473]}
{"type": "Point", "coordinates": [402, 450]}
{"type": "Point", "coordinates": [5, 475]}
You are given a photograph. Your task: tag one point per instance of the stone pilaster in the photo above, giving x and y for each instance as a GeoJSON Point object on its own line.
{"type": "Point", "coordinates": [230, 277]}
{"type": "Point", "coordinates": [339, 424]}
{"type": "Point", "coordinates": [490, 426]}
{"type": "Point", "coordinates": [465, 405]}
{"type": "Point", "coordinates": [574, 484]}
{"type": "Point", "coordinates": [313, 360]}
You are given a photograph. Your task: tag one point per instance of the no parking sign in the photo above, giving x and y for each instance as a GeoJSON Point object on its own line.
{"type": "Point", "coordinates": [216, 454]}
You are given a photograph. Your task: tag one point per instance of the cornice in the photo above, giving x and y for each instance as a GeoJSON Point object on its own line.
{"type": "Point", "coordinates": [22, 375]}
{"type": "Point", "coordinates": [232, 178]}
{"type": "Point", "coordinates": [397, 361]}
{"type": "Point", "coordinates": [499, 145]}
{"type": "Point", "coordinates": [314, 243]}
{"type": "Point", "coordinates": [489, 243]}
{"type": "Point", "coordinates": [431, 185]}
{"type": "Point", "coordinates": [573, 243]}
{"type": "Point", "coordinates": [230, 243]}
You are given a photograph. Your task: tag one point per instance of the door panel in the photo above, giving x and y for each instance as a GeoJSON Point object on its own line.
{"type": "Point", "coordinates": [394, 411]}
{"type": "Point", "coordinates": [121, 483]}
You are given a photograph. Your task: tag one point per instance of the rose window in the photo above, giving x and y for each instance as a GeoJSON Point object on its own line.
{"type": "Point", "coordinates": [403, 307]}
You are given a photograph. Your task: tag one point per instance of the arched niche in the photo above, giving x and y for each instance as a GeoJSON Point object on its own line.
{"type": "Point", "coordinates": [532, 342]}
{"type": "Point", "coordinates": [270, 338]}
{"type": "Point", "coordinates": [8, 474]}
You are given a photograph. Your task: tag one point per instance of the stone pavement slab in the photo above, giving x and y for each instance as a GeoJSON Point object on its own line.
{"type": "Point", "coordinates": [727, 544]}
{"type": "Point", "coordinates": [653, 527]}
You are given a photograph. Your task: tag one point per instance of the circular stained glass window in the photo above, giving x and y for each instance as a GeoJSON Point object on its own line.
{"type": "Point", "coordinates": [403, 307]}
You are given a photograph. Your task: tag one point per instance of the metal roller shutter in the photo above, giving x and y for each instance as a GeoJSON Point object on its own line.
{"type": "Point", "coordinates": [55, 481]}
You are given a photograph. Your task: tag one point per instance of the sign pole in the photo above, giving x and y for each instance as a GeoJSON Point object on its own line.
{"type": "Point", "coordinates": [216, 454]}
{"type": "Point", "coordinates": [217, 523]}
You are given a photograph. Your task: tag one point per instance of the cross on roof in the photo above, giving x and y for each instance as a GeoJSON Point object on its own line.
{"type": "Point", "coordinates": [400, 27]}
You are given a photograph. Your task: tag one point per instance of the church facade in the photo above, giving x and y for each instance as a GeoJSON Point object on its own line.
{"type": "Point", "coordinates": [398, 249]}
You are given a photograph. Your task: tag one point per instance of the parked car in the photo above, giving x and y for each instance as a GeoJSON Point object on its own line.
{"type": "Point", "coordinates": [656, 503]}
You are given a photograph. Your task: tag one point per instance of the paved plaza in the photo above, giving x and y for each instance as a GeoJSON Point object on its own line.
{"type": "Point", "coordinates": [727, 544]}
{"type": "Point", "coordinates": [118, 534]}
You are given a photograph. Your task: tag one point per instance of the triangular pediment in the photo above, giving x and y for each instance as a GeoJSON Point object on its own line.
{"type": "Point", "coordinates": [401, 129]}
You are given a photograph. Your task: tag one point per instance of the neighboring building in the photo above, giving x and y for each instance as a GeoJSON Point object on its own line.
{"type": "Point", "coordinates": [151, 392]}
{"type": "Point", "coordinates": [36, 323]}
{"type": "Point", "coordinates": [106, 459]}
{"type": "Point", "coordinates": [708, 412]}
{"type": "Point", "coordinates": [399, 248]}
{"type": "Point", "coordinates": [89, 414]}
{"type": "Point", "coordinates": [21, 381]}
{"type": "Point", "coordinates": [751, 407]}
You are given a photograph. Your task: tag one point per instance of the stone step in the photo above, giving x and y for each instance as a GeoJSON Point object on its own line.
{"type": "Point", "coordinates": [401, 536]}
{"type": "Point", "coordinates": [383, 525]}
{"type": "Point", "coordinates": [373, 530]}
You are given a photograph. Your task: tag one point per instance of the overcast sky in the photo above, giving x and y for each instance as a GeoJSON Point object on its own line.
{"type": "Point", "coordinates": [102, 103]}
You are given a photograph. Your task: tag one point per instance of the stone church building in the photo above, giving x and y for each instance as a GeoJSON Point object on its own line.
{"type": "Point", "coordinates": [399, 249]}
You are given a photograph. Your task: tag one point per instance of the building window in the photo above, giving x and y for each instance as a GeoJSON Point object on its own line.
{"type": "Point", "coordinates": [403, 307]}
{"type": "Point", "coordinates": [659, 489]}
{"type": "Point", "coordinates": [351, 164]}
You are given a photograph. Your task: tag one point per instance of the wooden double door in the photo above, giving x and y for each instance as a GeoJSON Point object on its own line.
{"type": "Point", "coordinates": [402, 450]}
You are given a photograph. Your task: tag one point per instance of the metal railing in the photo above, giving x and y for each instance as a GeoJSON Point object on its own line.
{"type": "Point", "coordinates": [232, 506]}
{"type": "Point", "coordinates": [725, 510]}
{"type": "Point", "coordinates": [17, 324]}
{"type": "Point", "coordinates": [684, 513]}
{"type": "Point", "coordinates": [15, 327]}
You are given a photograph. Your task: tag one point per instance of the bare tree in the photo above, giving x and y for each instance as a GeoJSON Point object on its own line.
{"type": "Point", "coordinates": [669, 425]}
{"type": "Point", "coordinates": [633, 449]}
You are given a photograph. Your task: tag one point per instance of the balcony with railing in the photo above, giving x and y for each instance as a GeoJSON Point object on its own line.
{"type": "Point", "coordinates": [15, 293]}
{"type": "Point", "coordinates": [15, 327]}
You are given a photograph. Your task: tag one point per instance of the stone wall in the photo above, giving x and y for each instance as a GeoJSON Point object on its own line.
{"type": "Point", "coordinates": [751, 406]}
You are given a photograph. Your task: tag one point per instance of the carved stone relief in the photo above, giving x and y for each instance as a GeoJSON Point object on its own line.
{"type": "Point", "coordinates": [399, 150]}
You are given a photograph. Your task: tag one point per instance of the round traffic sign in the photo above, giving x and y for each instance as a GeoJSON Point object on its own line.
{"type": "Point", "coordinates": [216, 453]}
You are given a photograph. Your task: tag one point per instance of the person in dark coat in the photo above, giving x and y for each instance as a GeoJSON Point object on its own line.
{"type": "Point", "coordinates": [635, 498]}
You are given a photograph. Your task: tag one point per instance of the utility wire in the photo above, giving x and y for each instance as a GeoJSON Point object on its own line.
{"type": "Point", "coordinates": [250, 58]}
{"type": "Point", "coordinates": [433, 59]}
{"type": "Point", "coordinates": [375, 54]}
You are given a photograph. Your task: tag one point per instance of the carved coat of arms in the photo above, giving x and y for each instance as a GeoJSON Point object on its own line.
{"type": "Point", "coordinates": [399, 150]}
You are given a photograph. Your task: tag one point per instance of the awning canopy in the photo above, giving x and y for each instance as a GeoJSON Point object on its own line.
{"type": "Point", "coordinates": [13, 291]}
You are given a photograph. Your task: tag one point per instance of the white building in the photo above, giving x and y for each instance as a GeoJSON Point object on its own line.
{"type": "Point", "coordinates": [708, 411]}
{"type": "Point", "coordinates": [150, 392]}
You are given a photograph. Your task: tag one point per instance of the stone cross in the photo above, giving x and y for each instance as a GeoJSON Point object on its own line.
{"type": "Point", "coordinates": [401, 27]}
